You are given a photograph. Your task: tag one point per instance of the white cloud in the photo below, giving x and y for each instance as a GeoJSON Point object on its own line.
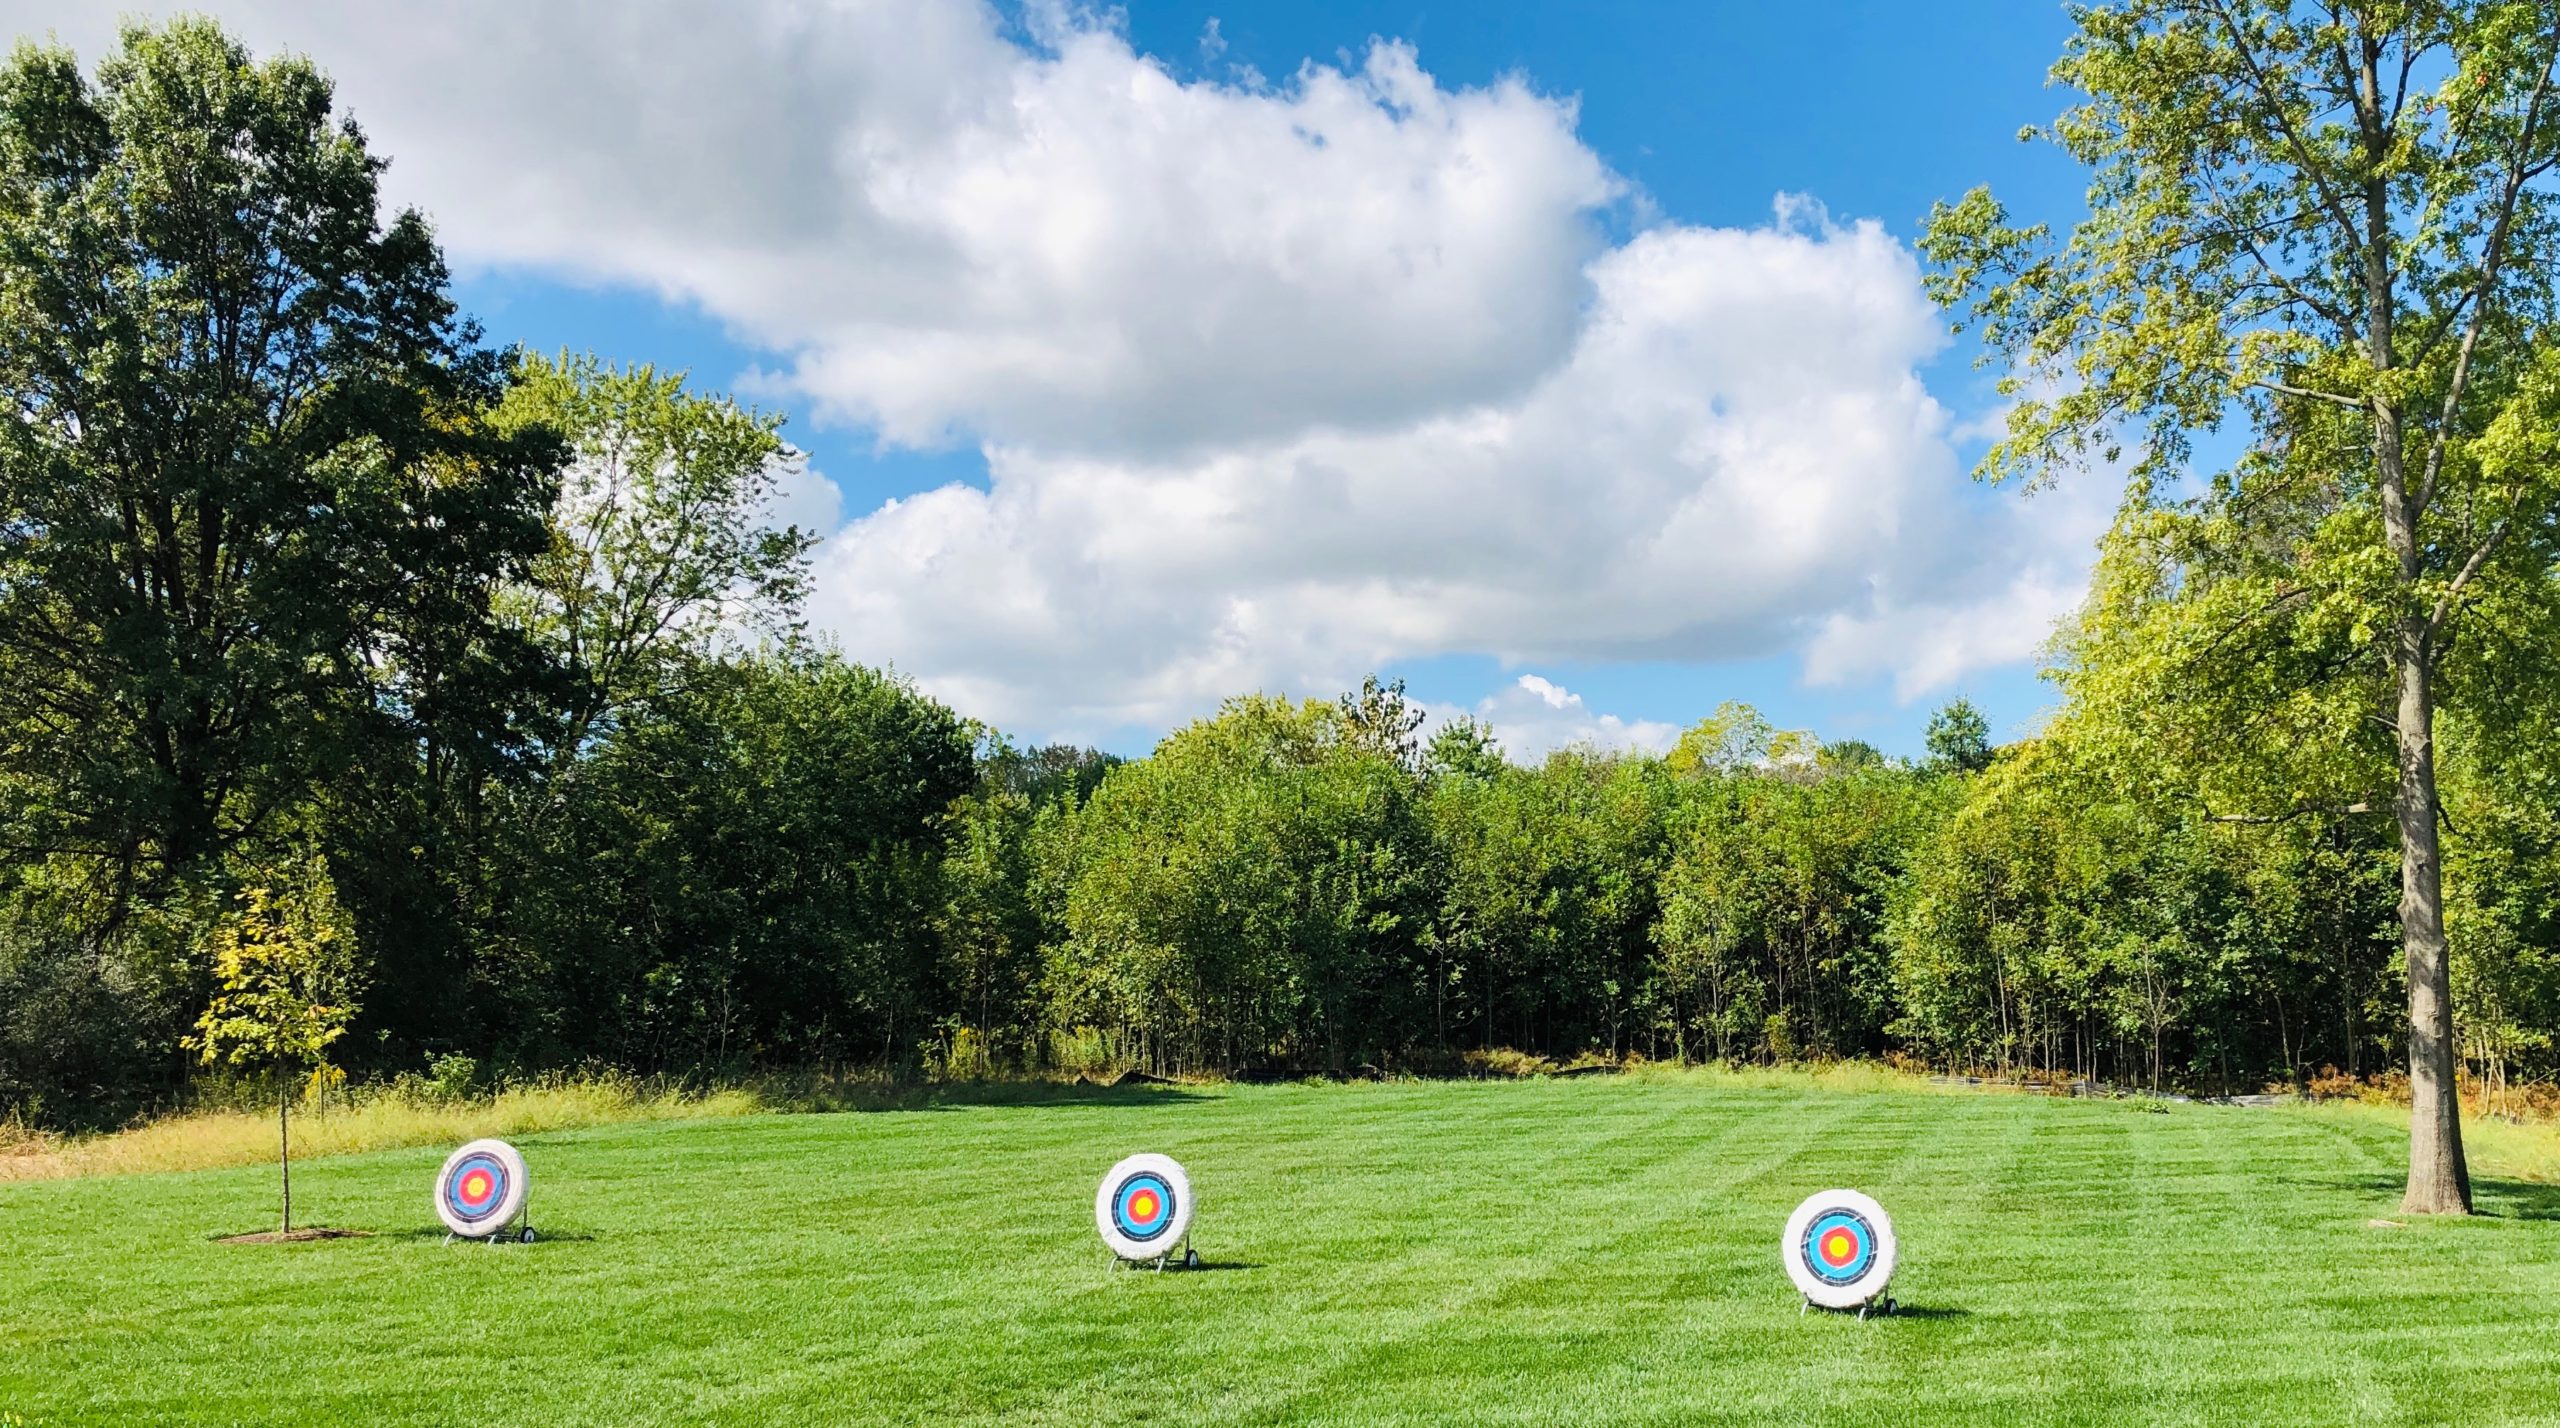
{"type": "Point", "coordinates": [804, 497]}
{"type": "Point", "coordinates": [1533, 716]}
{"type": "Point", "coordinates": [1735, 457]}
{"type": "Point", "coordinates": [942, 231]}
{"type": "Point", "coordinates": [1277, 383]}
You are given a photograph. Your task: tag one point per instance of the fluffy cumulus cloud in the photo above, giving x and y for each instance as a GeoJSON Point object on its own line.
{"type": "Point", "coordinates": [1276, 382]}
{"type": "Point", "coordinates": [1734, 456]}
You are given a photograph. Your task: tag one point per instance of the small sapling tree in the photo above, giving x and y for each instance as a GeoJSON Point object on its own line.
{"type": "Point", "coordinates": [285, 965]}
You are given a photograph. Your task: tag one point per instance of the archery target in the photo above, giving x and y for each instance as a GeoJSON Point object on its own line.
{"type": "Point", "coordinates": [1839, 1249]}
{"type": "Point", "coordinates": [1144, 1207]}
{"type": "Point", "coordinates": [480, 1188]}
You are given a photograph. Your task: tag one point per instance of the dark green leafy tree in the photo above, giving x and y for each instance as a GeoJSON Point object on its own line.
{"type": "Point", "coordinates": [1248, 896]}
{"type": "Point", "coordinates": [1960, 738]}
{"type": "Point", "coordinates": [747, 874]}
{"type": "Point", "coordinates": [1382, 721]}
{"type": "Point", "coordinates": [249, 436]}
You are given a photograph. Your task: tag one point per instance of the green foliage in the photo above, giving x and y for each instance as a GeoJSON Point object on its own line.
{"type": "Point", "coordinates": [659, 546]}
{"type": "Point", "coordinates": [250, 430]}
{"type": "Point", "coordinates": [1548, 884]}
{"type": "Point", "coordinates": [516, 644]}
{"type": "Point", "coordinates": [2331, 231]}
{"type": "Point", "coordinates": [1773, 908]}
{"type": "Point", "coordinates": [284, 972]}
{"type": "Point", "coordinates": [1248, 894]}
{"type": "Point", "coordinates": [746, 874]}
{"type": "Point", "coordinates": [284, 966]}
{"type": "Point", "coordinates": [1959, 737]}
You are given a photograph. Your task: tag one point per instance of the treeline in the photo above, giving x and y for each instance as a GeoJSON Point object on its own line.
{"type": "Point", "coordinates": [1311, 887]}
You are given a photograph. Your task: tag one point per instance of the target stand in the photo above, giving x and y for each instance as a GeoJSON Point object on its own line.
{"type": "Point", "coordinates": [1840, 1250]}
{"type": "Point", "coordinates": [1143, 1212]}
{"type": "Point", "coordinates": [482, 1194]}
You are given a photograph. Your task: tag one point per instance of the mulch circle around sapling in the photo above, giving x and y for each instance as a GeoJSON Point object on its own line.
{"type": "Point", "coordinates": [294, 1237]}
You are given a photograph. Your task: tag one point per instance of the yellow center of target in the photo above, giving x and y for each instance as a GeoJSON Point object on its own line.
{"type": "Point", "coordinates": [1142, 1206]}
{"type": "Point", "coordinates": [1837, 1246]}
{"type": "Point", "coordinates": [475, 1186]}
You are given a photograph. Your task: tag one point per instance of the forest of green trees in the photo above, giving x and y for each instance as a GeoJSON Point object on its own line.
{"type": "Point", "coordinates": [489, 666]}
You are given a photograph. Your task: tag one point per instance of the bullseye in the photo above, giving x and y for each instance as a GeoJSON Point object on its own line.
{"type": "Point", "coordinates": [1840, 1241]}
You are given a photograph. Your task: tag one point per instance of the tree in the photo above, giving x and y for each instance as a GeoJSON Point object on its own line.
{"type": "Point", "coordinates": [661, 546]}
{"type": "Point", "coordinates": [245, 424]}
{"type": "Point", "coordinates": [1845, 756]}
{"type": "Point", "coordinates": [1251, 893]}
{"type": "Point", "coordinates": [1735, 737]}
{"type": "Point", "coordinates": [285, 965]}
{"type": "Point", "coordinates": [746, 872]}
{"type": "Point", "coordinates": [1960, 738]}
{"type": "Point", "coordinates": [2329, 226]}
{"type": "Point", "coordinates": [1382, 721]}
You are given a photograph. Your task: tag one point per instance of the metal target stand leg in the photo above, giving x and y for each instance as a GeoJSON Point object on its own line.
{"type": "Point", "coordinates": [518, 1231]}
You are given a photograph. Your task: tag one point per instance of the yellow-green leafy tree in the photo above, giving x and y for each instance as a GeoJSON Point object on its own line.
{"type": "Point", "coordinates": [284, 960]}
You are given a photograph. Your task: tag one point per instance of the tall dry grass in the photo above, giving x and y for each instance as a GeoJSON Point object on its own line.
{"type": "Point", "coordinates": [212, 1139]}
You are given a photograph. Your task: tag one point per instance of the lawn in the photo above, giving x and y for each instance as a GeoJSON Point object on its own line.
{"type": "Point", "coordinates": [1579, 1251]}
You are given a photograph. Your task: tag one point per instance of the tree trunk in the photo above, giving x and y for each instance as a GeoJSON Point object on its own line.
{"type": "Point", "coordinates": [2439, 1182]}
{"type": "Point", "coordinates": [284, 1150]}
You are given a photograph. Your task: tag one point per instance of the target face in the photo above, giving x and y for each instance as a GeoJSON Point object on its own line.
{"type": "Point", "coordinates": [1839, 1249]}
{"type": "Point", "coordinates": [1143, 1207]}
{"type": "Point", "coordinates": [480, 1188]}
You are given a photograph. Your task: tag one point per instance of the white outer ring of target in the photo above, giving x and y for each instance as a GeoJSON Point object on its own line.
{"type": "Point", "coordinates": [1162, 1244]}
{"type": "Point", "coordinates": [508, 1204]}
{"type": "Point", "coordinates": [1839, 1296]}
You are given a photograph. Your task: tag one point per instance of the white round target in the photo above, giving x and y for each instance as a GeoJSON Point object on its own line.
{"type": "Point", "coordinates": [1839, 1249]}
{"type": "Point", "coordinates": [1144, 1207]}
{"type": "Point", "coordinates": [480, 1188]}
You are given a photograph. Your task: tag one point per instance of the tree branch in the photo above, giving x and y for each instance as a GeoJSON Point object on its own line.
{"type": "Point", "coordinates": [2301, 811]}
{"type": "Point", "coordinates": [2492, 256]}
{"type": "Point", "coordinates": [2479, 557]}
{"type": "Point", "coordinates": [2353, 404]}
{"type": "Point", "coordinates": [2302, 153]}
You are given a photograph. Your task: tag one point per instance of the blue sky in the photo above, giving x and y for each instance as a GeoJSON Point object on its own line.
{"type": "Point", "coordinates": [780, 204]}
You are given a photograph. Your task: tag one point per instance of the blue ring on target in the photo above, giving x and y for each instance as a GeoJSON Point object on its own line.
{"type": "Point", "coordinates": [477, 1187]}
{"type": "Point", "coordinates": [1839, 1247]}
{"type": "Point", "coordinates": [1142, 1208]}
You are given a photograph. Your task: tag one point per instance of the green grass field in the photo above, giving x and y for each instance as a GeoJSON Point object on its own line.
{"type": "Point", "coordinates": [1585, 1251]}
